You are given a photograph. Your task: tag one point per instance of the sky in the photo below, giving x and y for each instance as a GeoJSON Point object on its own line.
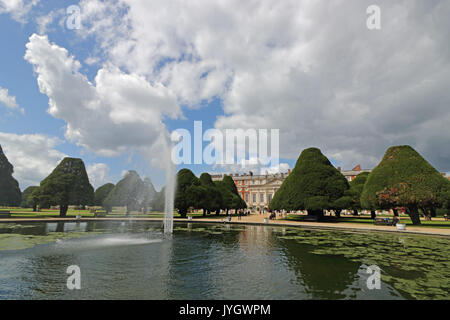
{"type": "Point", "coordinates": [104, 81]}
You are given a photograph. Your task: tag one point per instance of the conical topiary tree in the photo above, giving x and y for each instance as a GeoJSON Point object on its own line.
{"type": "Point", "coordinates": [29, 200]}
{"type": "Point", "coordinates": [159, 200]}
{"type": "Point", "coordinates": [128, 193]}
{"type": "Point", "coordinates": [189, 192]}
{"type": "Point", "coordinates": [404, 179]}
{"type": "Point", "coordinates": [352, 197]}
{"type": "Point", "coordinates": [10, 194]}
{"type": "Point", "coordinates": [68, 184]}
{"type": "Point", "coordinates": [230, 195]}
{"type": "Point", "coordinates": [213, 198]}
{"type": "Point", "coordinates": [313, 185]}
{"type": "Point", "coordinates": [149, 194]}
{"type": "Point", "coordinates": [101, 194]}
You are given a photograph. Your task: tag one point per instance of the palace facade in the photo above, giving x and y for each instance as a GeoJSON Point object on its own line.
{"type": "Point", "coordinates": [258, 190]}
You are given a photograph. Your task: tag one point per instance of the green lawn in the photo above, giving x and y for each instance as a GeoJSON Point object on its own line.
{"type": "Point", "coordinates": [366, 220]}
{"type": "Point", "coordinates": [49, 213]}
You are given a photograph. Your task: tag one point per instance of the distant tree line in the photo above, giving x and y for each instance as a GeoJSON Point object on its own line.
{"type": "Point", "coordinates": [202, 193]}
{"type": "Point", "coordinates": [402, 180]}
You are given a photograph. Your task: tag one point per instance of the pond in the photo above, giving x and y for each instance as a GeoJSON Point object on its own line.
{"type": "Point", "coordinates": [133, 260]}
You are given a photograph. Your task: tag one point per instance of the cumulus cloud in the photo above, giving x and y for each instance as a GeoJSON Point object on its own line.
{"type": "Point", "coordinates": [17, 8]}
{"type": "Point", "coordinates": [310, 68]}
{"type": "Point", "coordinates": [7, 100]}
{"type": "Point", "coordinates": [33, 156]}
{"type": "Point", "coordinates": [118, 112]}
{"type": "Point", "coordinates": [98, 174]}
{"type": "Point", "coordinates": [44, 22]}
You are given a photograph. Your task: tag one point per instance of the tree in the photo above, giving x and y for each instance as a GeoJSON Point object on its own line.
{"type": "Point", "coordinates": [149, 194]}
{"type": "Point", "coordinates": [404, 179]}
{"type": "Point", "coordinates": [68, 184]}
{"type": "Point", "coordinates": [101, 194]}
{"type": "Point", "coordinates": [29, 198]}
{"type": "Point", "coordinates": [212, 200]}
{"type": "Point", "coordinates": [159, 201]}
{"type": "Point", "coordinates": [352, 197]}
{"type": "Point", "coordinates": [10, 194]}
{"type": "Point", "coordinates": [230, 196]}
{"type": "Point", "coordinates": [313, 185]}
{"type": "Point", "coordinates": [128, 193]}
{"type": "Point", "coordinates": [189, 192]}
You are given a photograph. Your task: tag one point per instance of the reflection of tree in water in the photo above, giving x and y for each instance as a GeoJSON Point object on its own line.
{"type": "Point", "coordinates": [198, 256]}
{"type": "Point", "coordinates": [324, 276]}
{"type": "Point", "coordinates": [60, 227]}
{"type": "Point", "coordinates": [46, 275]}
{"type": "Point", "coordinates": [24, 229]}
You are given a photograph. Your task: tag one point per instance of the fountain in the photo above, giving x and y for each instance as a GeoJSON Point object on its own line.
{"type": "Point", "coordinates": [169, 198]}
{"type": "Point", "coordinates": [170, 187]}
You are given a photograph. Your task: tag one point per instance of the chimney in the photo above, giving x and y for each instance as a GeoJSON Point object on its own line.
{"type": "Point", "coordinates": [339, 169]}
{"type": "Point", "coordinates": [289, 171]}
{"type": "Point", "coordinates": [251, 173]}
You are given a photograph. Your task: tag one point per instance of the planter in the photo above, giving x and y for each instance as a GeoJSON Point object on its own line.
{"type": "Point", "coordinates": [190, 218]}
{"type": "Point", "coordinates": [266, 220]}
{"type": "Point", "coordinates": [401, 226]}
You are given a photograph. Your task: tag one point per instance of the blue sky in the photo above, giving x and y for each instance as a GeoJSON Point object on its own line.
{"type": "Point", "coordinates": [17, 75]}
{"type": "Point", "coordinates": [150, 68]}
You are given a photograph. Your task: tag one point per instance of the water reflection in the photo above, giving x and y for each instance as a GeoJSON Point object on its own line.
{"type": "Point", "coordinates": [132, 260]}
{"type": "Point", "coordinates": [322, 276]}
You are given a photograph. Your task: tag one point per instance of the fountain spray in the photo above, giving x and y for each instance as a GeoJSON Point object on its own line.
{"type": "Point", "coordinates": [170, 186]}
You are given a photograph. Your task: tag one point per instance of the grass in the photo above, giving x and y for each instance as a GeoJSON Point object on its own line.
{"type": "Point", "coordinates": [367, 220]}
{"type": "Point", "coordinates": [71, 213]}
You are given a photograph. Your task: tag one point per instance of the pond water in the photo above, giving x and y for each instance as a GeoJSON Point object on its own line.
{"type": "Point", "coordinates": [133, 260]}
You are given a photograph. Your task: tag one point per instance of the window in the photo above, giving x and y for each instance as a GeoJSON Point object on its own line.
{"type": "Point", "coordinates": [261, 197]}
{"type": "Point", "coordinates": [270, 197]}
{"type": "Point", "coordinates": [254, 198]}
{"type": "Point", "coordinates": [246, 197]}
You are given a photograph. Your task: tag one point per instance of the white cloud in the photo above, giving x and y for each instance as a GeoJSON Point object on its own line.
{"type": "Point", "coordinates": [33, 156]}
{"type": "Point", "coordinates": [9, 101]}
{"type": "Point", "coordinates": [98, 174]}
{"type": "Point", "coordinates": [119, 112]}
{"type": "Point", "coordinates": [17, 8]}
{"type": "Point", "coordinates": [310, 68]}
{"type": "Point", "coordinates": [44, 22]}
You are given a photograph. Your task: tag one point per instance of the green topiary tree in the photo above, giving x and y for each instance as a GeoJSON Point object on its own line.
{"type": "Point", "coordinates": [189, 192]}
{"type": "Point", "coordinates": [212, 201]}
{"type": "Point", "coordinates": [313, 185]}
{"type": "Point", "coordinates": [159, 201]}
{"type": "Point", "coordinates": [404, 179]}
{"type": "Point", "coordinates": [149, 194]}
{"type": "Point", "coordinates": [230, 196]}
{"type": "Point", "coordinates": [101, 194]}
{"type": "Point", "coordinates": [29, 198]}
{"type": "Point", "coordinates": [128, 193]}
{"type": "Point", "coordinates": [68, 184]}
{"type": "Point", "coordinates": [352, 197]}
{"type": "Point", "coordinates": [10, 194]}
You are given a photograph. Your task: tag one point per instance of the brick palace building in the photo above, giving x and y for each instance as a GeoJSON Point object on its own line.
{"type": "Point", "coordinates": [258, 190]}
